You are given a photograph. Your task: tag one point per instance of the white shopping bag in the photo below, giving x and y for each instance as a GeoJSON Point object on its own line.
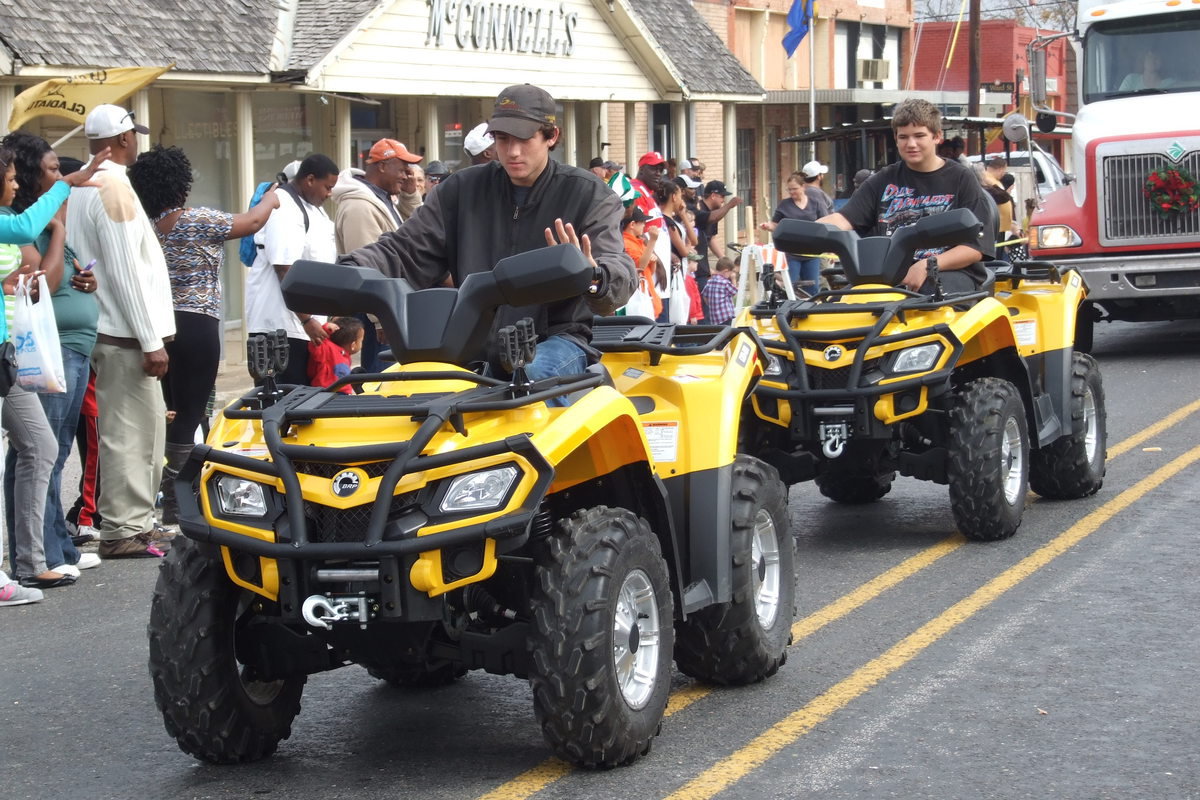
{"type": "Point", "coordinates": [640, 304]}
{"type": "Point", "coordinates": [35, 338]}
{"type": "Point", "coordinates": [681, 304]}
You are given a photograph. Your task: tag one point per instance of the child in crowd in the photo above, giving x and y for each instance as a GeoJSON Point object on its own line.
{"type": "Point", "coordinates": [696, 310]}
{"type": "Point", "coordinates": [720, 291]}
{"type": "Point", "coordinates": [329, 361]}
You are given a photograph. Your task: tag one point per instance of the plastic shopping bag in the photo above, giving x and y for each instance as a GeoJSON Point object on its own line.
{"type": "Point", "coordinates": [35, 338]}
{"type": "Point", "coordinates": [640, 304]}
{"type": "Point", "coordinates": [681, 304]}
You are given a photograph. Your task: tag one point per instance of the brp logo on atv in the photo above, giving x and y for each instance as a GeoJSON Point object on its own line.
{"type": "Point", "coordinates": [346, 483]}
{"type": "Point", "coordinates": [834, 352]}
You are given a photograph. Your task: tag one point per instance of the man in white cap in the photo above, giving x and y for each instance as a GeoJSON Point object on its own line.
{"type": "Point", "coordinates": [526, 200]}
{"type": "Point", "coordinates": [480, 145]}
{"type": "Point", "coordinates": [107, 227]}
{"type": "Point", "coordinates": [814, 172]}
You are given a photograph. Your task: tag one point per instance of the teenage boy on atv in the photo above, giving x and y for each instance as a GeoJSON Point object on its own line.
{"type": "Point", "coordinates": [921, 184]}
{"type": "Point", "coordinates": [522, 201]}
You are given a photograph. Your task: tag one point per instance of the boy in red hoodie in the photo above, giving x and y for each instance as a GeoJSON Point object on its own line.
{"type": "Point", "coordinates": [329, 361]}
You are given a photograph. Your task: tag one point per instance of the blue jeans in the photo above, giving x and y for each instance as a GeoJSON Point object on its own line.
{"type": "Point", "coordinates": [805, 271]}
{"type": "Point", "coordinates": [558, 355]}
{"type": "Point", "coordinates": [62, 414]}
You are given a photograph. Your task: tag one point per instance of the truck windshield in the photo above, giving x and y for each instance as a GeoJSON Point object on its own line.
{"type": "Point", "coordinates": [1143, 56]}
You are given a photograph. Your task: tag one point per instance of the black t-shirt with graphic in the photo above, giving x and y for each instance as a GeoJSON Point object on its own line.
{"type": "Point", "coordinates": [896, 196]}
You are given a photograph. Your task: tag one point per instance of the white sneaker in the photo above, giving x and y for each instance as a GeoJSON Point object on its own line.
{"type": "Point", "coordinates": [66, 569]}
{"type": "Point", "coordinates": [87, 561]}
{"type": "Point", "coordinates": [14, 594]}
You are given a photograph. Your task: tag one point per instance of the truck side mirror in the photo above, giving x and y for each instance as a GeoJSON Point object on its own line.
{"type": "Point", "coordinates": [1037, 76]}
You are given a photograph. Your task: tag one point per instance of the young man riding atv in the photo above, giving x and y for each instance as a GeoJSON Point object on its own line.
{"type": "Point", "coordinates": [522, 201]}
{"type": "Point", "coordinates": [921, 184]}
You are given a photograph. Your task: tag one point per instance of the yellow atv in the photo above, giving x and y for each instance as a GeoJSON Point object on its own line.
{"type": "Point", "coordinates": [981, 391]}
{"type": "Point", "coordinates": [441, 521]}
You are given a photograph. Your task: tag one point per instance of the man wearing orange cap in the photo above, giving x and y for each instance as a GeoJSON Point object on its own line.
{"type": "Point", "coordinates": [365, 212]}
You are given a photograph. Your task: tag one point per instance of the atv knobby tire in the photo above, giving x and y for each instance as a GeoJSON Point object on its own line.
{"type": "Point", "coordinates": [1073, 466]}
{"type": "Point", "coordinates": [601, 607]}
{"type": "Point", "coordinates": [746, 639]}
{"type": "Point", "coordinates": [988, 461]}
{"type": "Point", "coordinates": [853, 483]}
{"type": "Point", "coordinates": [208, 705]}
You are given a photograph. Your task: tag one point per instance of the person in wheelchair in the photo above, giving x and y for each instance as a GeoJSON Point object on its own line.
{"type": "Point", "coordinates": [923, 183]}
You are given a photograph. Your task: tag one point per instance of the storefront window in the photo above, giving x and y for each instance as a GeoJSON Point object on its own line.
{"type": "Point", "coordinates": [369, 124]}
{"type": "Point", "coordinates": [283, 130]}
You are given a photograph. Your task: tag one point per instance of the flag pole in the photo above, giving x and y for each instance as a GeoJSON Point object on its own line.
{"type": "Point", "coordinates": [812, 79]}
{"type": "Point", "coordinates": [71, 133]}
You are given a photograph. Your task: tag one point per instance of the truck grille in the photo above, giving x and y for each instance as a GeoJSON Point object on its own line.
{"type": "Point", "coordinates": [1128, 215]}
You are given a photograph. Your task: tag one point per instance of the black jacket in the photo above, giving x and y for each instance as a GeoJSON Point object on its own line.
{"type": "Point", "coordinates": [470, 221]}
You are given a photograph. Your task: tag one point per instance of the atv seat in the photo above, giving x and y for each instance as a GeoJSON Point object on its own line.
{"type": "Point", "coordinates": [592, 369]}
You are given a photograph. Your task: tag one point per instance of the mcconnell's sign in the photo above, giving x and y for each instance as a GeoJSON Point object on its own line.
{"type": "Point", "coordinates": [503, 27]}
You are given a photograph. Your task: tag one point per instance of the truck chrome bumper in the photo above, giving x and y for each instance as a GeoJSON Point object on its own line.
{"type": "Point", "coordinates": [1137, 277]}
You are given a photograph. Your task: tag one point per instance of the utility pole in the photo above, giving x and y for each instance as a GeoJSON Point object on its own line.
{"type": "Point", "coordinates": [974, 79]}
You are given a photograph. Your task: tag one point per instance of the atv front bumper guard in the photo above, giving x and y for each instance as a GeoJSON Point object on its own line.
{"type": "Point", "coordinates": [387, 533]}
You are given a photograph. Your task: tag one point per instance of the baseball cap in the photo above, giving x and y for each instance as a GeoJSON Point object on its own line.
{"type": "Point", "coordinates": [436, 169]}
{"type": "Point", "coordinates": [685, 164]}
{"type": "Point", "coordinates": [861, 176]}
{"type": "Point", "coordinates": [814, 168]}
{"type": "Point", "coordinates": [652, 158]}
{"type": "Point", "coordinates": [386, 149]}
{"type": "Point", "coordinates": [596, 162]}
{"type": "Point", "coordinates": [478, 139]}
{"type": "Point", "coordinates": [638, 215]}
{"type": "Point", "coordinates": [688, 182]}
{"type": "Point", "coordinates": [289, 169]}
{"type": "Point", "coordinates": [521, 110]}
{"type": "Point", "coordinates": [612, 166]}
{"type": "Point", "coordinates": [106, 120]}
{"type": "Point", "coordinates": [716, 187]}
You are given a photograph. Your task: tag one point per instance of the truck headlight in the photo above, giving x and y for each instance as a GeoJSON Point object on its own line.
{"type": "Point", "coordinates": [479, 491]}
{"type": "Point", "coordinates": [239, 497]}
{"type": "Point", "coordinates": [917, 359]}
{"type": "Point", "coordinates": [1051, 236]}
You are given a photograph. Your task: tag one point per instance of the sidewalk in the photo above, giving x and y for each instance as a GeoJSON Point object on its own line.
{"type": "Point", "coordinates": [233, 381]}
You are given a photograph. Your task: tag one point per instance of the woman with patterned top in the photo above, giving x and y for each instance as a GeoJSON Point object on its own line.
{"type": "Point", "coordinates": [193, 241]}
{"type": "Point", "coordinates": [75, 314]}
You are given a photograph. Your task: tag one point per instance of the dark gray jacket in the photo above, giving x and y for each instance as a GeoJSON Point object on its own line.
{"type": "Point", "coordinates": [470, 221]}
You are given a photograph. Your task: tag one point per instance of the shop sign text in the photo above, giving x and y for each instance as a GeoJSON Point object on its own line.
{"type": "Point", "coordinates": [503, 27]}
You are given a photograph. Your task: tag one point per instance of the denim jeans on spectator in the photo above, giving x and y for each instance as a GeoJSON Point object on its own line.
{"type": "Point", "coordinates": [62, 412]}
{"type": "Point", "coordinates": [558, 355]}
{"type": "Point", "coordinates": [805, 271]}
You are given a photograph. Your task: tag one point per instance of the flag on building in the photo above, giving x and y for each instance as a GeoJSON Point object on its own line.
{"type": "Point", "coordinates": [799, 18]}
{"type": "Point", "coordinates": [73, 97]}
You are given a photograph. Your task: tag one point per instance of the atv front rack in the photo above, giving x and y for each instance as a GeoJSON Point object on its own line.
{"type": "Point", "coordinates": [867, 338]}
{"type": "Point", "coordinates": [644, 335]}
{"type": "Point", "coordinates": [389, 530]}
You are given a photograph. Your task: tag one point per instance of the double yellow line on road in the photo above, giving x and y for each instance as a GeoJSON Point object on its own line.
{"type": "Point", "coordinates": [728, 771]}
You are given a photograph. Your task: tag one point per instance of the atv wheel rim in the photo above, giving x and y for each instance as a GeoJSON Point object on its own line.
{"type": "Point", "coordinates": [1012, 465]}
{"type": "Point", "coordinates": [1091, 425]}
{"type": "Point", "coordinates": [636, 639]}
{"type": "Point", "coordinates": [765, 556]}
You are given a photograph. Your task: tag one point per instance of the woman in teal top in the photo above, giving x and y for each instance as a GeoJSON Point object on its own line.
{"type": "Point", "coordinates": [76, 315]}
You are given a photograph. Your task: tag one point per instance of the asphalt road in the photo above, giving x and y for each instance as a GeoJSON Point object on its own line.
{"type": "Point", "coordinates": [1058, 664]}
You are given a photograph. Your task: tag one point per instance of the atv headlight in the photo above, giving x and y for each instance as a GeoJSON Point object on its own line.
{"type": "Point", "coordinates": [917, 359]}
{"type": "Point", "coordinates": [238, 497]}
{"type": "Point", "coordinates": [479, 491]}
{"type": "Point", "coordinates": [1049, 236]}
{"type": "Point", "coordinates": [774, 365]}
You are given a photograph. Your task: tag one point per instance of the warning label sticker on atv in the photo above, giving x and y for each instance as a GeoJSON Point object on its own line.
{"type": "Point", "coordinates": [663, 438]}
{"type": "Point", "coordinates": [1026, 332]}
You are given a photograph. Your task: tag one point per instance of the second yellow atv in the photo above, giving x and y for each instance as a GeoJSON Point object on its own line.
{"type": "Point", "coordinates": [981, 391]}
{"type": "Point", "coordinates": [443, 520]}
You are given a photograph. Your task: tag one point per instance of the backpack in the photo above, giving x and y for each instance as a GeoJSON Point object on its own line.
{"type": "Point", "coordinates": [247, 250]}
